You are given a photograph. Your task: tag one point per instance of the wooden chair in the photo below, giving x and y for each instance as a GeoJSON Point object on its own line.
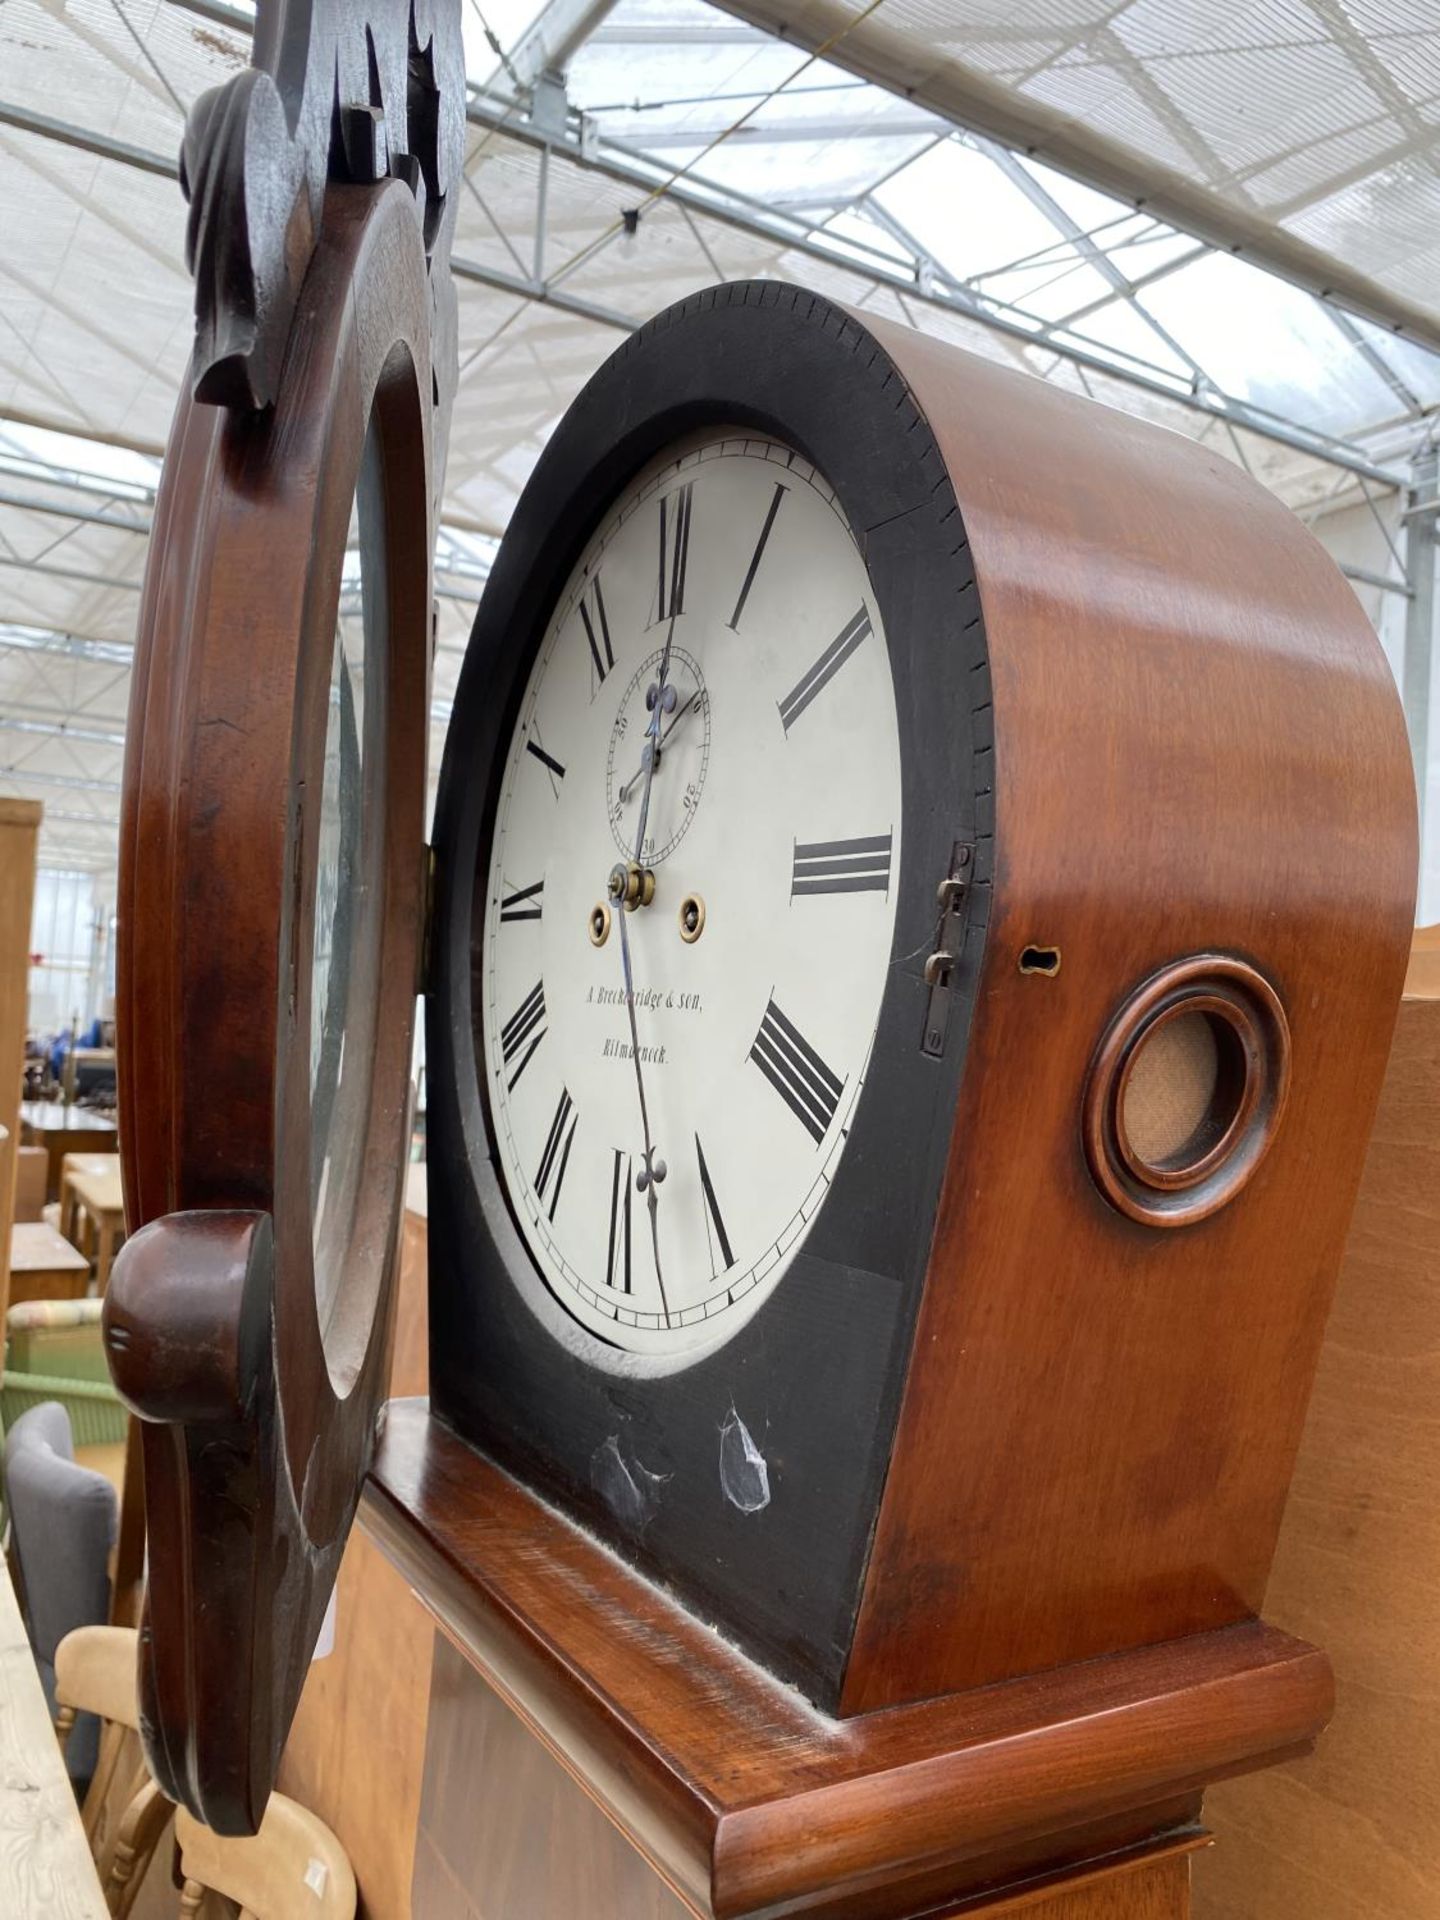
{"type": "Point", "coordinates": [32, 1170]}
{"type": "Point", "coordinates": [292, 1869]}
{"type": "Point", "coordinates": [125, 1813]}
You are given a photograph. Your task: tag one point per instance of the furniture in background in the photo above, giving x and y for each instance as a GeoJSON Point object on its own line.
{"type": "Point", "coordinates": [293, 1865]}
{"type": "Point", "coordinates": [63, 1521]}
{"type": "Point", "coordinates": [1349, 1832]}
{"type": "Point", "coordinates": [90, 1073]}
{"type": "Point", "coordinates": [1423, 977]}
{"type": "Point", "coordinates": [53, 1351]}
{"type": "Point", "coordinates": [19, 832]}
{"type": "Point", "coordinates": [32, 1166]}
{"type": "Point", "coordinates": [98, 1165]}
{"type": "Point", "coordinates": [125, 1813]}
{"type": "Point", "coordinates": [92, 1207]}
{"type": "Point", "coordinates": [59, 1338]}
{"type": "Point", "coordinates": [44, 1265]}
{"type": "Point", "coordinates": [45, 1863]}
{"type": "Point", "coordinates": [61, 1130]}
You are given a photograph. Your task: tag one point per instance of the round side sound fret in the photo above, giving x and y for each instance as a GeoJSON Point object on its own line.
{"type": "Point", "coordinates": [1186, 1090]}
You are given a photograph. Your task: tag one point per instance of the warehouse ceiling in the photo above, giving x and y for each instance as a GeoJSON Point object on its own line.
{"type": "Point", "coordinates": [1301, 132]}
{"type": "Point", "coordinates": [685, 145]}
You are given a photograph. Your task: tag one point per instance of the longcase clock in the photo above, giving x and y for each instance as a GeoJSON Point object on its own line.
{"type": "Point", "coordinates": [919, 894]}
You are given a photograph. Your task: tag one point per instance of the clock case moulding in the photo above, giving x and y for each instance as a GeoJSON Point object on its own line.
{"type": "Point", "coordinates": [1028, 1414]}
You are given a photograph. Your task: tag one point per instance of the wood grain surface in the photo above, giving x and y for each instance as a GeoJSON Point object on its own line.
{"type": "Point", "coordinates": [742, 1795]}
{"type": "Point", "coordinates": [251, 1486]}
{"type": "Point", "coordinates": [45, 1864]}
{"type": "Point", "coordinates": [506, 1833]}
{"type": "Point", "coordinates": [1198, 749]}
{"type": "Point", "coordinates": [356, 1753]}
{"type": "Point", "coordinates": [1158, 1890]}
{"type": "Point", "coordinates": [44, 1266]}
{"type": "Point", "coordinates": [63, 1130]}
{"type": "Point", "coordinates": [1423, 976]}
{"type": "Point", "coordinates": [1351, 1833]}
{"type": "Point", "coordinates": [19, 834]}
{"type": "Point", "coordinates": [506, 1830]}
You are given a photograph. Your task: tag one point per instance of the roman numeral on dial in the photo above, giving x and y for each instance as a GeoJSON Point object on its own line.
{"type": "Point", "coordinates": [518, 1036]}
{"type": "Point", "coordinates": [674, 551]}
{"type": "Point", "coordinates": [597, 632]}
{"type": "Point", "coordinates": [547, 760]}
{"type": "Point", "coordinates": [842, 866]}
{"type": "Point", "coordinates": [819, 676]}
{"type": "Point", "coordinates": [556, 1157]}
{"type": "Point", "coordinates": [617, 1260]}
{"type": "Point", "coordinates": [797, 1073]}
{"type": "Point", "coordinates": [756, 557]}
{"type": "Point", "coordinates": [712, 1216]}
{"type": "Point", "coordinates": [524, 905]}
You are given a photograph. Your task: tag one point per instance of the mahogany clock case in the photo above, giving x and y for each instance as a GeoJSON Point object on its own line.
{"type": "Point", "coordinates": [815, 1375]}
{"type": "Point", "coordinates": [1023, 1398]}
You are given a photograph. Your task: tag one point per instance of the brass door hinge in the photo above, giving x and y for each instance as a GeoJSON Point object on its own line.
{"type": "Point", "coordinates": [954, 898]}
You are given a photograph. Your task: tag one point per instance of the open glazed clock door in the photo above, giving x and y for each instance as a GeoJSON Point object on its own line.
{"type": "Point", "coordinates": [272, 866]}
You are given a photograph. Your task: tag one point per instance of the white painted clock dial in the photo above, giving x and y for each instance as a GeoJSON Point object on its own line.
{"type": "Point", "coordinates": [774, 804]}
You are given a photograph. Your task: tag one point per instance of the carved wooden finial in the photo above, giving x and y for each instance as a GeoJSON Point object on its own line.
{"type": "Point", "coordinates": [337, 92]}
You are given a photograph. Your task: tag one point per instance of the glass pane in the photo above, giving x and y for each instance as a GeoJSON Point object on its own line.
{"type": "Point", "coordinates": [1417, 367]}
{"type": "Point", "coordinates": [673, 81]}
{"type": "Point", "coordinates": [348, 893]}
{"type": "Point", "coordinates": [1266, 341]}
{"type": "Point", "coordinates": [335, 880]}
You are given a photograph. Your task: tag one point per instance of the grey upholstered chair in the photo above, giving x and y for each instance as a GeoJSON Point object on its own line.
{"type": "Point", "coordinates": [63, 1519]}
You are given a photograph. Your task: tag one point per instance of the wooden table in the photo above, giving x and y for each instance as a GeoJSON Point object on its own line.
{"type": "Point", "coordinates": [90, 1183]}
{"type": "Point", "coordinates": [44, 1266]}
{"type": "Point", "coordinates": [61, 1130]}
{"type": "Point", "coordinates": [45, 1864]}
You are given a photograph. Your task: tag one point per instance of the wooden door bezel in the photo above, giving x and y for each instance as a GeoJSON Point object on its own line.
{"type": "Point", "coordinates": [211, 1320]}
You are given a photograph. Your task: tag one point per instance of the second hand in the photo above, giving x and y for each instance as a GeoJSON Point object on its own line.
{"type": "Point", "coordinates": [654, 1169]}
